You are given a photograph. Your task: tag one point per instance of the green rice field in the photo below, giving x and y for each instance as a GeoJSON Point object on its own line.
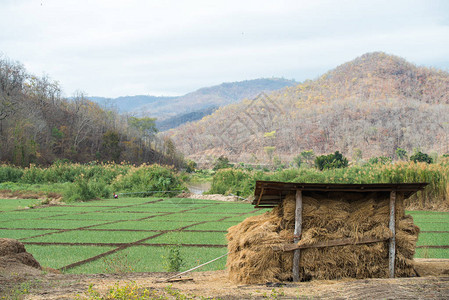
{"type": "Point", "coordinates": [136, 234]}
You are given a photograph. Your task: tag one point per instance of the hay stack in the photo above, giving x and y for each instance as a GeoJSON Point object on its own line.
{"type": "Point", "coordinates": [252, 257]}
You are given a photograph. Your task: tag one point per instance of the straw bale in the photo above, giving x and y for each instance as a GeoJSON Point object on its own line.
{"type": "Point", "coordinates": [326, 216]}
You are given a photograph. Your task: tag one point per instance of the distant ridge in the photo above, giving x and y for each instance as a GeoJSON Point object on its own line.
{"type": "Point", "coordinates": [194, 102]}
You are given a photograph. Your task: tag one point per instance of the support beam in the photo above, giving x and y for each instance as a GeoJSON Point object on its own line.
{"type": "Point", "coordinates": [392, 244]}
{"type": "Point", "coordinates": [297, 234]}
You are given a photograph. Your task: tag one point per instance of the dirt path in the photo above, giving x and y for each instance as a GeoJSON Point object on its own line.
{"type": "Point", "coordinates": [215, 284]}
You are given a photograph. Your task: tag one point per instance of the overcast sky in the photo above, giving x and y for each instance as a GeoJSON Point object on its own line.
{"type": "Point", "coordinates": [115, 48]}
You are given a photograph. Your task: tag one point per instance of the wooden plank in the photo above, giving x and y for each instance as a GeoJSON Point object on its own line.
{"type": "Point", "coordinates": [332, 243]}
{"type": "Point", "coordinates": [392, 225]}
{"type": "Point", "coordinates": [297, 234]}
{"type": "Point", "coordinates": [260, 197]}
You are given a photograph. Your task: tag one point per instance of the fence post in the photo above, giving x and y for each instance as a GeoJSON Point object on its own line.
{"type": "Point", "coordinates": [297, 234]}
{"type": "Point", "coordinates": [392, 225]}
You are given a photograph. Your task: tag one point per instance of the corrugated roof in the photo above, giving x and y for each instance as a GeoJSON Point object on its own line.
{"type": "Point", "coordinates": [271, 193]}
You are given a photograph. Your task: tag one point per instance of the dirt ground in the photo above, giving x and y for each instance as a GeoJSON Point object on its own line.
{"type": "Point", "coordinates": [434, 284]}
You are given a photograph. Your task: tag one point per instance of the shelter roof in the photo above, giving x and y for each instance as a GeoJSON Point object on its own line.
{"type": "Point", "coordinates": [271, 193]}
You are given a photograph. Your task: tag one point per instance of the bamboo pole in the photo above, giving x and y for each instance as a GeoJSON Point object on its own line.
{"type": "Point", "coordinates": [331, 243]}
{"type": "Point", "coordinates": [392, 225]}
{"type": "Point", "coordinates": [297, 234]}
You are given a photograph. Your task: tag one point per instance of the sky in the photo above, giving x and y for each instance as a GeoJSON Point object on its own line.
{"type": "Point", "coordinates": [115, 48]}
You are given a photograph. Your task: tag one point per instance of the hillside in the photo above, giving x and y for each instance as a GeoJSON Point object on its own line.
{"type": "Point", "coordinates": [180, 119]}
{"type": "Point", "coordinates": [375, 103]}
{"type": "Point", "coordinates": [39, 126]}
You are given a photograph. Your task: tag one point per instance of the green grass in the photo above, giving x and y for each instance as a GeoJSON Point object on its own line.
{"type": "Point", "coordinates": [13, 204]}
{"type": "Point", "coordinates": [430, 220]}
{"type": "Point", "coordinates": [151, 259]}
{"type": "Point", "coordinates": [42, 187]}
{"type": "Point", "coordinates": [149, 208]}
{"type": "Point", "coordinates": [432, 253]}
{"type": "Point", "coordinates": [115, 202]}
{"type": "Point", "coordinates": [227, 209]}
{"type": "Point", "coordinates": [187, 201]}
{"type": "Point", "coordinates": [48, 223]}
{"type": "Point", "coordinates": [20, 234]}
{"type": "Point", "coordinates": [239, 219]}
{"type": "Point", "coordinates": [72, 209]}
{"type": "Point", "coordinates": [105, 216]}
{"type": "Point", "coordinates": [190, 217]}
{"type": "Point", "coordinates": [145, 225]}
{"type": "Point", "coordinates": [433, 239]}
{"type": "Point", "coordinates": [83, 236]}
{"type": "Point", "coordinates": [222, 225]}
{"type": "Point", "coordinates": [176, 237]}
{"type": "Point", "coordinates": [59, 256]}
{"type": "Point", "coordinates": [431, 226]}
{"type": "Point", "coordinates": [26, 214]}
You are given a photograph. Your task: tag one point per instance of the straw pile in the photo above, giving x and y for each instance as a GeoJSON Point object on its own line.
{"type": "Point", "coordinates": [252, 243]}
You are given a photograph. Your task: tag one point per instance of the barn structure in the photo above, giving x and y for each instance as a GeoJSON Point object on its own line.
{"type": "Point", "coordinates": [324, 231]}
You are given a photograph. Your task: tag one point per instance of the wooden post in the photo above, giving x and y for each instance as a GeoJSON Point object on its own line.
{"type": "Point", "coordinates": [392, 244]}
{"type": "Point", "coordinates": [297, 234]}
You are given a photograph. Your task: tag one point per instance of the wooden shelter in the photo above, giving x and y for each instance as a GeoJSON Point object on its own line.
{"type": "Point", "coordinates": [271, 194]}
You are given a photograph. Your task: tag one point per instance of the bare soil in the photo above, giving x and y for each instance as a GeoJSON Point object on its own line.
{"type": "Point", "coordinates": [434, 284]}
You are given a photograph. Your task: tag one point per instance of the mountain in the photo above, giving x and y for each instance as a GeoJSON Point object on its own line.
{"type": "Point", "coordinates": [215, 96]}
{"type": "Point", "coordinates": [128, 104]}
{"type": "Point", "coordinates": [194, 103]}
{"type": "Point", "coordinates": [375, 103]}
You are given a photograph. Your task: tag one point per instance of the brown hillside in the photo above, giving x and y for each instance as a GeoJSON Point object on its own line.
{"type": "Point", "coordinates": [376, 103]}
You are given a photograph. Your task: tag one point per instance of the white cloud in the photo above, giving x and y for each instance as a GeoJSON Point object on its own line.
{"type": "Point", "coordinates": [113, 48]}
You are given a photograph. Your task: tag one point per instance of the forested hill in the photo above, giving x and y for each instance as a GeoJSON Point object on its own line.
{"type": "Point", "coordinates": [38, 125]}
{"type": "Point", "coordinates": [375, 103]}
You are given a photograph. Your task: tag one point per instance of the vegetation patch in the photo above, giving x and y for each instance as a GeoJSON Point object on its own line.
{"type": "Point", "coordinates": [105, 216]}
{"type": "Point", "coordinates": [14, 204]}
{"type": "Point", "coordinates": [48, 223]}
{"type": "Point", "coordinates": [178, 237]}
{"type": "Point", "coordinates": [57, 256]}
{"type": "Point", "coordinates": [20, 234]}
{"type": "Point", "coordinates": [83, 236]}
{"type": "Point", "coordinates": [146, 225]}
{"type": "Point", "coordinates": [220, 225]}
{"type": "Point", "coordinates": [434, 239]}
{"type": "Point", "coordinates": [431, 253]}
{"type": "Point", "coordinates": [187, 216]}
{"type": "Point", "coordinates": [150, 259]}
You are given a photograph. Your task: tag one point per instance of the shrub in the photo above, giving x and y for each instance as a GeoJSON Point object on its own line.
{"type": "Point", "coordinates": [421, 157]}
{"type": "Point", "coordinates": [190, 166]}
{"type": "Point", "coordinates": [331, 161]}
{"type": "Point", "coordinates": [222, 163]}
{"type": "Point", "coordinates": [155, 179]}
{"type": "Point", "coordinates": [84, 189]}
{"type": "Point", "coordinates": [401, 154]}
{"type": "Point", "coordinates": [380, 160]}
{"type": "Point", "coordinates": [235, 181]}
{"type": "Point", "coordinates": [9, 173]}
{"type": "Point", "coordinates": [173, 262]}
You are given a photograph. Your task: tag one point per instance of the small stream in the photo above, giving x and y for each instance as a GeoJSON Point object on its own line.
{"type": "Point", "coordinates": [199, 188]}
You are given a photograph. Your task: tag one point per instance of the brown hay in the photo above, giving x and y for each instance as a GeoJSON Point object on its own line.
{"type": "Point", "coordinates": [13, 251]}
{"type": "Point", "coordinates": [252, 257]}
